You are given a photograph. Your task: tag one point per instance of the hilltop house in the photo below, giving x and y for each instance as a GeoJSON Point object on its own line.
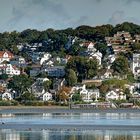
{"type": "Point", "coordinates": [89, 46]}
{"type": "Point", "coordinates": [136, 65]}
{"type": "Point", "coordinates": [5, 56]}
{"type": "Point", "coordinates": [97, 55]}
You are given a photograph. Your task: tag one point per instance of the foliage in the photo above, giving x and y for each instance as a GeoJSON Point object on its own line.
{"type": "Point", "coordinates": [84, 67]}
{"type": "Point", "coordinates": [102, 48]}
{"type": "Point", "coordinates": [27, 96]}
{"type": "Point", "coordinates": [63, 94]}
{"type": "Point", "coordinates": [71, 77]}
{"type": "Point", "coordinates": [114, 83]}
{"type": "Point", "coordinates": [76, 97]}
{"type": "Point", "coordinates": [46, 85]}
{"type": "Point", "coordinates": [20, 83]}
{"type": "Point", "coordinates": [3, 76]}
{"type": "Point", "coordinates": [120, 65]}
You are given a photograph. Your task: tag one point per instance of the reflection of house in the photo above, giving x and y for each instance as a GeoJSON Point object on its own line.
{"type": "Point", "coordinates": [5, 56]}
{"type": "Point", "coordinates": [88, 94]}
{"type": "Point", "coordinates": [115, 94]}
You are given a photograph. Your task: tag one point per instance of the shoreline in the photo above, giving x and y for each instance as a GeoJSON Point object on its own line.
{"type": "Point", "coordinates": [61, 109]}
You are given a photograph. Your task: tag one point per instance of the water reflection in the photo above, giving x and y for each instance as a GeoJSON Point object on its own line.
{"type": "Point", "coordinates": [68, 135]}
{"type": "Point", "coordinates": [72, 118]}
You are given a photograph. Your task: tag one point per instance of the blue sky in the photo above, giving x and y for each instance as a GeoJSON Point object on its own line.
{"type": "Point", "coordinates": [59, 14]}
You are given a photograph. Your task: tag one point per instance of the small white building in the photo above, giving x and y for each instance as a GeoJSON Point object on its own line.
{"type": "Point", "coordinates": [136, 65]}
{"type": "Point", "coordinates": [89, 46]}
{"type": "Point", "coordinates": [115, 94]}
{"type": "Point", "coordinates": [88, 95]}
{"type": "Point", "coordinates": [45, 57]}
{"type": "Point", "coordinates": [9, 69]}
{"type": "Point", "coordinates": [97, 55]}
{"type": "Point", "coordinates": [5, 56]}
{"type": "Point", "coordinates": [7, 96]}
{"type": "Point", "coordinates": [47, 96]}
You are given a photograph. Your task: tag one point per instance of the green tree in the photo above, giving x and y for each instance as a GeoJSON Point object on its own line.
{"type": "Point", "coordinates": [127, 93]}
{"type": "Point", "coordinates": [27, 96]}
{"type": "Point", "coordinates": [20, 84]}
{"type": "Point", "coordinates": [71, 77]}
{"type": "Point", "coordinates": [76, 97]}
{"type": "Point", "coordinates": [102, 48]}
{"type": "Point", "coordinates": [46, 85]}
{"type": "Point", "coordinates": [4, 76]}
{"type": "Point", "coordinates": [136, 47]}
{"type": "Point", "coordinates": [120, 65]}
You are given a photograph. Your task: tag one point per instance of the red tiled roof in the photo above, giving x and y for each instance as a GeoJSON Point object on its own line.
{"type": "Point", "coordinates": [10, 55]}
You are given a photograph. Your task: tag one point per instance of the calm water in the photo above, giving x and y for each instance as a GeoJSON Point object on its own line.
{"type": "Point", "coordinates": [107, 119]}
{"type": "Point", "coordinates": [73, 118]}
{"type": "Point", "coordinates": [68, 135]}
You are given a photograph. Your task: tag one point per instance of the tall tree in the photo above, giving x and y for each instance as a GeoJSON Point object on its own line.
{"type": "Point", "coordinates": [20, 84]}
{"type": "Point", "coordinates": [120, 65]}
{"type": "Point", "coordinates": [71, 77]}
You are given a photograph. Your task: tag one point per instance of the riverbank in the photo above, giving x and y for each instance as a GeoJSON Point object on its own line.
{"type": "Point", "coordinates": [61, 109]}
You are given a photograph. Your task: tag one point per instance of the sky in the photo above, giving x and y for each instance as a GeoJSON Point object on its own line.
{"type": "Point", "coordinates": [60, 14]}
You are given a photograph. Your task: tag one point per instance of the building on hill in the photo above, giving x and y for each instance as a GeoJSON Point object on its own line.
{"type": "Point", "coordinates": [136, 65]}
{"type": "Point", "coordinates": [89, 46]}
{"type": "Point", "coordinates": [115, 94]}
{"type": "Point", "coordinates": [9, 69]}
{"type": "Point", "coordinates": [5, 56]}
{"type": "Point", "coordinates": [89, 94]}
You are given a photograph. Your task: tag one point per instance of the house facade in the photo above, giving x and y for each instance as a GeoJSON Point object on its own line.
{"type": "Point", "coordinates": [136, 65]}
{"type": "Point", "coordinates": [9, 69]}
{"type": "Point", "coordinates": [116, 94]}
{"type": "Point", "coordinates": [5, 56]}
{"type": "Point", "coordinates": [7, 96]}
{"type": "Point", "coordinates": [88, 95]}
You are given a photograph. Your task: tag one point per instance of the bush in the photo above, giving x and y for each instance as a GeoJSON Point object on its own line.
{"type": "Point", "coordinates": [8, 103]}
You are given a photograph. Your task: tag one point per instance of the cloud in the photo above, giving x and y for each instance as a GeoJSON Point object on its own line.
{"type": "Point", "coordinates": [131, 1]}
{"type": "Point", "coordinates": [117, 17]}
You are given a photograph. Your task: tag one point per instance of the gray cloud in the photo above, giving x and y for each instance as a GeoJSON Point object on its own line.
{"type": "Point", "coordinates": [131, 1]}
{"type": "Point", "coordinates": [58, 14]}
{"type": "Point", "coordinates": [117, 17]}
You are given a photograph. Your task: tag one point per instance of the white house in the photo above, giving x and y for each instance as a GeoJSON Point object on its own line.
{"type": "Point", "coordinates": [97, 55]}
{"type": "Point", "coordinates": [5, 56]}
{"type": "Point", "coordinates": [111, 58]}
{"type": "Point", "coordinates": [7, 96]}
{"type": "Point", "coordinates": [45, 57]}
{"type": "Point", "coordinates": [89, 46]}
{"type": "Point", "coordinates": [9, 69]}
{"type": "Point", "coordinates": [88, 95]}
{"type": "Point", "coordinates": [47, 96]}
{"type": "Point", "coordinates": [115, 94]}
{"type": "Point", "coordinates": [136, 65]}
